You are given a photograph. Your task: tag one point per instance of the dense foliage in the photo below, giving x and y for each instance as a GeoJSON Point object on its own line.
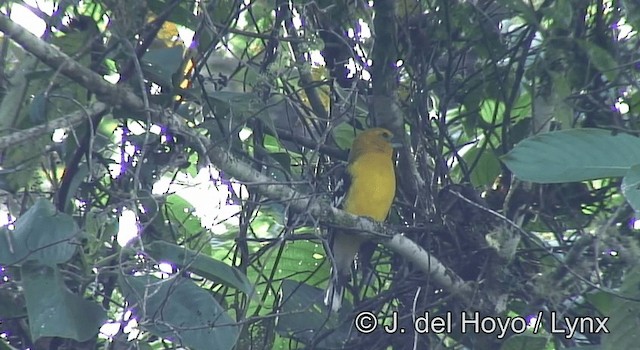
{"type": "Point", "coordinates": [211, 132]}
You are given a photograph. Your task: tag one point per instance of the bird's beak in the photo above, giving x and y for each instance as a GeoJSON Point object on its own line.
{"type": "Point", "coordinates": [396, 145]}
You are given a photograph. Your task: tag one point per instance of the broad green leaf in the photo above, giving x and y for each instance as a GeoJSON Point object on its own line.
{"type": "Point", "coordinates": [38, 109]}
{"type": "Point", "coordinates": [303, 316]}
{"type": "Point", "coordinates": [344, 134]}
{"type": "Point", "coordinates": [41, 234]}
{"type": "Point", "coordinates": [178, 310]}
{"type": "Point", "coordinates": [100, 224]}
{"type": "Point", "coordinates": [181, 214]}
{"type": "Point", "coordinates": [486, 168]}
{"type": "Point", "coordinates": [573, 155]}
{"type": "Point", "coordinates": [561, 13]}
{"type": "Point", "coordinates": [623, 313]}
{"type": "Point", "coordinates": [5, 346]}
{"type": "Point", "coordinates": [161, 64]}
{"type": "Point", "coordinates": [276, 165]}
{"type": "Point", "coordinates": [522, 107]}
{"type": "Point", "coordinates": [200, 264]}
{"type": "Point", "coordinates": [523, 8]}
{"type": "Point", "coordinates": [601, 59]}
{"type": "Point", "coordinates": [11, 301]}
{"type": "Point", "coordinates": [491, 111]}
{"type": "Point", "coordinates": [181, 14]}
{"type": "Point", "coordinates": [555, 103]}
{"type": "Point", "coordinates": [299, 261]}
{"type": "Point", "coordinates": [631, 187]}
{"type": "Point", "coordinates": [526, 341]}
{"type": "Point", "coordinates": [53, 310]}
{"type": "Point", "coordinates": [237, 107]}
{"type": "Point", "coordinates": [78, 177]}
{"type": "Point", "coordinates": [633, 12]}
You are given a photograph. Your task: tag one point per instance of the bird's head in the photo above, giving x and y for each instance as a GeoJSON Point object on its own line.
{"type": "Point", "coordinates": [376, 140]}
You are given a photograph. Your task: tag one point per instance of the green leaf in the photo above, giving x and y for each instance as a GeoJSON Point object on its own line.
{"type": "Point", "coordinates": [523, 8]}
{"type": "Point", "coordinates": [554, 105]}
{"type": "Point", "coordinates": [53, 310]}
{"type": "Point", "coordinates": [491, 111]}
{"type": "Point", "coordinates": [573, 155]}
{"type": "Point", "coordinates": [100, 224]}
{"type": "Point", "coordinates": [521, 108]}
{"type": "Point", "coordinates": [200, 264]}
{"type": "Point", "coordinates": [304, 316]}
{"type": "Point", "coordinates": [38, 109]}
{"type": "Point", "coordinates": [623, 313]}
{"type": "Point", "coordinates": [181, 14]}
{"type": "Point", "coordinates": [182, 215]}
{"type": "Point", "coordinates": [276, 165]}
{"type": "Point", "coordinates": [632, 8]}
{"type": "Point", "coordinates": [78, 177]}
{"type": "Point", "coordinates": [236, 106]}
{"type": "Point", "coordinates": [178, 310]}
{"type": "Point", "coordinates": [561, 13]}
{"type": "Point", "coordinates": [300, 261]}
{"type": "Point", "coordinates": [5, 346]}
{"type": "Point", "coordinates": [161, 64]}
{"type": "Point", "coordinates": [41, 234]}
{"type": "Point", "coordinates": [283, 159]}
{"type": "Point", "coordinates": [601, 59]}
{"type": "Point", "coordinates": [526, 341]}
{"type": "Point", "coordinates": [486, 169]}
{"type": "Point", "coordinates": [344, 134]}
{"type": "Point", "coordinates": [11, 303]}
{"type": "Point", "coordinates": [631, 187]}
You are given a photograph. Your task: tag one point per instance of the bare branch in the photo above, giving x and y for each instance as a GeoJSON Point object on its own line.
{"type": "Point", "coordinates": [56, 59]}
{"type": "Point", "coordinates": [69, 121]}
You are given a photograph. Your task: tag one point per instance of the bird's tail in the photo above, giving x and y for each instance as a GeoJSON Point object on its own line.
{"type": "Point", "coordinates": [335, 292]}
{"type": "Point", "coordinates": [344, 248]}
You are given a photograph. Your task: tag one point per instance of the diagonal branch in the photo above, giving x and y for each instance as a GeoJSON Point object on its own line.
{"type": "Point", "coordinates": [72, 120]}
{"type": "Point", "coordinates": [53, 57]}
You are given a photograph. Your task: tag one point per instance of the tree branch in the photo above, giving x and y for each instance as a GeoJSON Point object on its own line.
{"type": "Point", "coordinates": [384, 81]}
{"type": "Point", "coordinates": [68, 121]}
{"type": "Point", "coordinates": [82, 75]}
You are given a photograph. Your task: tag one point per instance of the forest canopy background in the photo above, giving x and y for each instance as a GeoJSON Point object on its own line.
{"type": "Point", "coordinates": [167, 169]}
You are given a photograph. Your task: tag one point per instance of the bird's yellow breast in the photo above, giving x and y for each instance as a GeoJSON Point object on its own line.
{"type": "Point", "coordinates": [373, 186]}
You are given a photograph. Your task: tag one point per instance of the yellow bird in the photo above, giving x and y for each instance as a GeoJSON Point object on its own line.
{"type": "Point", "coordinates": [370, 184]}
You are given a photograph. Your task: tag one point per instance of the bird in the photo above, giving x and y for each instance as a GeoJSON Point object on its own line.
{"type": "Point", "coordinates": [369, 185]}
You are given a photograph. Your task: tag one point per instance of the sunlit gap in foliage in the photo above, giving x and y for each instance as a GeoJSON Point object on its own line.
{"type": "Point", "coordinates": [7, 219]}
{"type": "Point", "coordinates": [165, 270]}
{"type": "Point", "coordinates": [4, 336]}
{"type": "Point", "coordinates": [624, 30]}
{"type": "Point", "coordinates": [635, 223]}
{"type": "Point", "coordinates": [127, 149]}
{"type": "Point", "coordinates": [3, 275]}
{"type": "Point", "coordinates": [621, 106]}
{"type": "Point", "coordinates": [27, 19]}
{"type": "Point", "coordinates": [314, 56]}
{"type": "Point", "coordinates": [361, 33]}
{"type": "Point", "coordinates": [208, 194]}
{"type": "Point", "coordinates": [127, 227]}
{"type": "Point", "coordinates": [111, 328]}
